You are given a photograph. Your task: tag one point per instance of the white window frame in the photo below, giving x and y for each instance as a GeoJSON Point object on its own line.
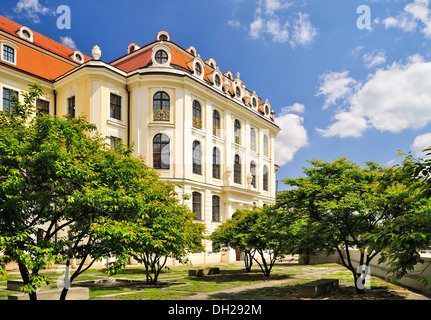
{"type": "Point", "coordinates": [12, 45]}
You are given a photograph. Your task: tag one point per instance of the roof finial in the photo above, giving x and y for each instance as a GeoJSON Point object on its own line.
{"type": "Point", "coordinates": [96, 52]}
{"type": "Point", "coordinates": [238, 74]}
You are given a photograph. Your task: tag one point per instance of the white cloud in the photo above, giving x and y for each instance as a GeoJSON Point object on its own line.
{"type": "Point", "coordinates": [374, 59]}
{"type": "Point", "coordinates": [292, 137]}
{"type": "Point", "coordinates": [271, 18]}
{"type": "Point", "coordinates": [234, 23]}
{"type": "Point", "coordinates": [348, 124]}
{"type": "Point", "coordinates": [420, 143]}
{"type": "Point", "coordinates": [256, 28]}
{"type": "Point", "coordinates": [415, 14]}
{"type": "Point", "coordinates": [335, 86]}
{"type": "Point", "coordinates": [279, 33]}
{"type": "Point", "coordinates": [32, 9]}
{"type": "Point", "coordinates": [392, 99]}
{"type": "Point", "coordinates": [271, 6]}
{"type": "Point", "coordinates": [296, 107]}
{"type": "Point", "coordinates": [68, 41]}
{"type": "Point", "coordinates": [303, 31]}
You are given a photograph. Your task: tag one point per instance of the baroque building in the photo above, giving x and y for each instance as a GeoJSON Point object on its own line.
{"type": "Point", "coordinates": [196, 125]}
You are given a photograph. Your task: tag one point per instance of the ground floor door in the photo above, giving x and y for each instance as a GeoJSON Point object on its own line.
{"type": "Point", "coordinates": [239, 255]}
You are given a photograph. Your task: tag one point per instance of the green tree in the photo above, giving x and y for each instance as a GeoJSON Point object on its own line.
{"type": "Point", "coordinates": [343, 202]}
{"type": "Point", "coordinates": [263, 232]}
{"type": "Point", "coordinates": [59, 182]}
{"type": "Point", "coordinates": [42, 163]}
{"type": "Point", "coordinates": [406, 236]}
{"type": "Point", "coordinates": [233, 234]}
{"type": "Point", "coordinates": [158, 228]}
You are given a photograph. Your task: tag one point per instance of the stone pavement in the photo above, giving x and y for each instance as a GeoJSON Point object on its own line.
{"type": "Point", "coordinates": [236, 293]}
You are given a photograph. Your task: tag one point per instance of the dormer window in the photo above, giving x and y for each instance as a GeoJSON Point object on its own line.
{"type": "Point", "coordinates": [78, 57]}
{"type": "Point", "coordinates": [238, 92]}
{"type": "Point", "coordinates": [163, 36]}
{"type": "Point", "coordinates": [254, 102]}
{"type": "Point", "coordinates": [161, 57]}
{"type": "Point", "coordinates": [217, 80]}
{"type": "Point", "coordinates": [8, 51]}
{"type": "Point", "coordinates": [198, 69]}
{"type": "Point", "coordinates": [26, 34]}
{"type": "Point", "coordinates": [132, 47]}
{"type": "Point", "coordinates": [8, 54]}
{"type": "Point", "coordinates": [192, 51]}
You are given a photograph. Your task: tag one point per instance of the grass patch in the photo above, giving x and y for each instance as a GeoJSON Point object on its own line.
{"type": "Point", "coordinates": [175, 283]}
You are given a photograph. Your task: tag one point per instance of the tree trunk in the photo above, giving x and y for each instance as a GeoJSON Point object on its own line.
{"type": "Point", "coordinates": [248, 260]}
{"type": "Point", "coordinates": [26, 278]}
{"type": "Point", "coordinates": [64, 294]}
{"type": "Point", "coordinates": [306, 258]}
{"type": "Point", "coordinates": [359, 282]}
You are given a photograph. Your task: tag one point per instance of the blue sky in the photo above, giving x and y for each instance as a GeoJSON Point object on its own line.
{"type": "Point", "coordinates": [337, 90]}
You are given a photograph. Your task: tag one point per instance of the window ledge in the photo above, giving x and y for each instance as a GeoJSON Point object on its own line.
{"type": "Point", "coordinates": [199, 132]}
{"type": "Point", "coordinates": [116, 122]}
{"type": "Point", "coordinates": [161, 124]}
{"type": "Point", "coordinates": [217, 138]}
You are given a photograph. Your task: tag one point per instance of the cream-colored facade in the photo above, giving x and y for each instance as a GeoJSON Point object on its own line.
{"type": "Point", "coordinates": [222, 156]}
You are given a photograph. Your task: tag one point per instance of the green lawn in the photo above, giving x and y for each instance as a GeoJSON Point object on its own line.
{"type": "Point", "coordinates": [175, 282]}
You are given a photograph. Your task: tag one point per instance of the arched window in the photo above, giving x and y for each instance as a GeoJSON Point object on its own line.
{"type": "Point", "coordinates": [265, 178]}
{"type": "Point", "coordinates": [161, 151]}
{"type": "Point", "coordinates": [197, 205]}
{"type": "Point", "coordinates": [237, 169]}
{"type": "Point", "coordinates": [217, 80]}
{"type": "Point", "coordinates": [8, 54]}
{"type": "Point", "coordinates": [197, 115]}
{"type": "Point", "coordinates": [253, 144]}
{"type": "Point", "coordinates": [161, 106]}
{"type": "Point", "coordinates": [253, 173]}
{"type": "Point", "coordinates": [238, 92]}
{"type": "Point", "coordinates": [216, 208]}
{"type": "Point", "coordinates": [216, 123]}
{"type": "Point", "coordinates": [216, 163]}
{"type": "Point", "coordinates": [237, 131]}
{"type": "Point", "coordinates": [161, 57]}
{"type": "Point", "coordinates": [265, 145]}
{"type": "Point", "coordinates": [197, 154]}
{"type": "Point", "coordinates": [198, 69]}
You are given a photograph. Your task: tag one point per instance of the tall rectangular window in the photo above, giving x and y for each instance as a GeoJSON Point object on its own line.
{"type": "Point", "coordinates": [115, 107]}
{"type": "Point", "coordinates": [216, 208]}
{"type": "Point", "coordinates": [197, 205]}
{"type": "Point", "coordinates": [237, 169]}
{"type": "Point", "coordinates": [253, 144]}
{"type": "Point", "coordinates": [42, 107]}
{"type": "Point", "coordinates": [265, 178]}
{"type": "Point", "coordinates": [216, 163]}
{"type": "Point", "coordinates": [71, 106]}
{"type": "Point", "coordinates": [8, 54]}
{"type": "Point", "coordinates": [197, 157]}
{"type": "Point", "coordinates": [197, 115]}
{"type": "Point", "coordinates": [8, 95]}
{"type": "Point", "coordinates": [114, 142]}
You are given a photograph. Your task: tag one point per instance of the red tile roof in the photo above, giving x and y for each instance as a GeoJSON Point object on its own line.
{"type": "Point", "coordinates": [137, 61]}
{"type": "Point", "coordinates": [49, 59]}
{"type": "Point", "coordinates": [44, 60]}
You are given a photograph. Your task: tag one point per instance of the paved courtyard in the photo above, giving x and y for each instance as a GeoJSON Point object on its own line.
{"type": "Point", "coordinates": [232, 283]}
